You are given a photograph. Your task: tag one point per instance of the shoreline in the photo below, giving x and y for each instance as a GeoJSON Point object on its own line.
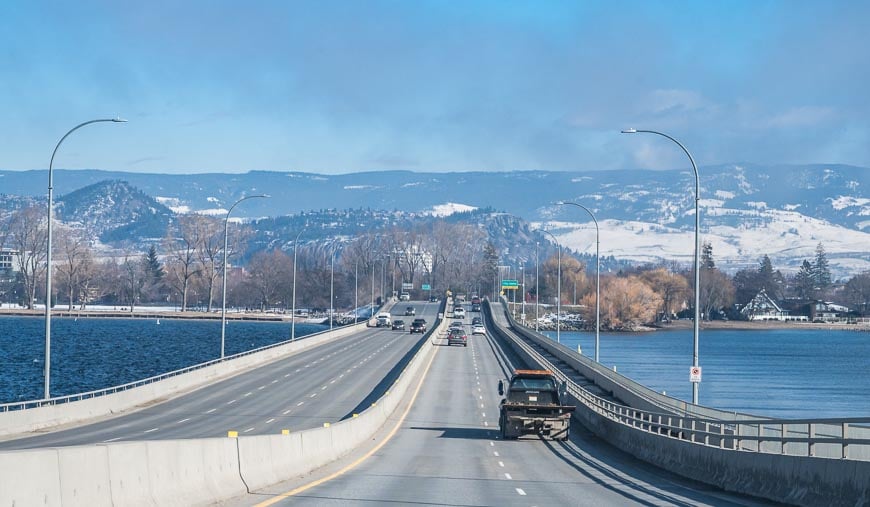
{"type": "Point", "coordinates": [144, 314]}
{"type": "Point", "coordinates": [728, 324]}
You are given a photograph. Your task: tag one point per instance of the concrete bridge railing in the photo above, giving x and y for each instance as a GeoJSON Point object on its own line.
{"type": "Point", "coordinates": [782, 460]}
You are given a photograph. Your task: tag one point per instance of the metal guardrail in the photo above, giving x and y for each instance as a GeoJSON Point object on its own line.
{"type": "Point", "coordinates": [847, 438]}
{"type": "Point", "coordinates": [24, 405]}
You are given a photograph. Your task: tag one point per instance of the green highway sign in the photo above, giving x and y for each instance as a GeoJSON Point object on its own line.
{"type": "Point", "coordinates": [509, 283]}
{"type": "Point", "coordinates": [426, 286]}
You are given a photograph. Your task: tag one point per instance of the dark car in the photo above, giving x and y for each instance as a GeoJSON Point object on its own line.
{"type": "Point", "coordinates": [457, 336]}
{"type": "Point", "coordinates": [433, 299]}
{"type": "Point", "coordinates": [475, 307]}
{"type": "Point", "coordinates": [418, 326]}
{"type": "Point", "coordinates": [398, 324]}
{"type": "Point", "coordinates": [475, 321]}
{"type": "Point", "coordinates": [410, 311]}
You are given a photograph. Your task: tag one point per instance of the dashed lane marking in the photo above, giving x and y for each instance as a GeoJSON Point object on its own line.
{"type": "Point", "coordinates": [210, 411]}
{"type": "Point", "coordinates": [508, 476]}
{"type": "Point", "coordinates": [285, 412]}
{"type": "Point", "coordinates": [183, 420]}
{"type": "Point", "coordinates": [270, 420]}
{"type": "Point", "coordinates": [300, 403]}
{"type": "Point", "coordinates": [501, 464]}
{"type": "Point", "coordinates": [520, 492]}
{"type": "Point", "coordinates": [249, 430]}
{"type": "Point", "coordinates": [112, 439]}
{"type": "Point", "coordinates": [151, 430]}
{"type": "Point", "coordinates": [231, 402]}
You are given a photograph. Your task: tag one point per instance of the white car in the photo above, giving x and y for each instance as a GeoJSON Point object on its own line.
{"type": "Point", "coordinates": [478, 329]}
{"type": "Point", "coordinates": [459, 312]}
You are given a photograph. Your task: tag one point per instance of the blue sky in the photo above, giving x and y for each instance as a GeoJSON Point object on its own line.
{"type": "Point", "coordinates": [338, 87]}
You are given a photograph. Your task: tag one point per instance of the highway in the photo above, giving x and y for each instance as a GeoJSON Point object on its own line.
{"type": "Point", "coordinates": [305, 390]}
{"type": "Point", "coordinates": [447, 452]}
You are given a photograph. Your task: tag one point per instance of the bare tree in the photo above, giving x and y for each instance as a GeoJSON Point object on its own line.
{"type": "Point", "coordinates": [29, 236]}
{"type": "Point", "coordinates": [76, 264]}
{"type": "Point", "coordinates": [134, 275]}
{"type": "Point", "coordinates": [182, 245]}
{"type": "Point", "coordinates": [670, 286]}
{"type": "Point", "coordinates": [270, 273]}
{"type": "Point", "coordinates": [210, 249]}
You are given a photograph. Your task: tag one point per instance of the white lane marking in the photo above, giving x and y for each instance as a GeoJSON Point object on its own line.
{"type": "Point", "coordinates": [300, 403]}
{"type": "Point", "coordinates": [322, 388]}
{"type": "Point", "coordinates": [501, 464]}
{"type": "Point", "coordinates": [492, 444]}
{"type": "Point", "coordinates": [495, 453]}
{"type": "Point", "coordinates": [210, 411]}
{"type": "Point", "coordinates": [152, 429]}
{"type": "Point", "coordinates": [312, 395]}
{"type": "Point", "coordinates": [285, 412]}
{"type": "Point", "coordinates": [331, 382]}
{"type": "Point", "coordinates": [481, 405]}
{"type": "Point", "coordinates": [261, 388]}
{"type": "Point", "coordinates": [274, 382]}
{"type": "Point", "coordinates": [248, 394]}
{"type": "Point", "coordinates": [270, 420]}
{"type": "Point", "coordinates": [249, 429]}
{"type": "Point", "coordinates": [112, 439]}
{"type": "Point", "coordinates": [340, 376]}
{"type": "Point", "coordinates": [484, 414]}
{"type": "Point", "coordinates": [520, 492]}
{"type": "Point", "coordinates": [508, 476]}
{"type": "Point", "coordinates": [287, 375]}
{"type": "Point", "coordinates": [298, 370]}
{"type": "Point", "coordinates": [485, 423]}
{"type": "Point", "coordinates": [231, 402]}
{"type": "Point", "coordinates": [183, 420]}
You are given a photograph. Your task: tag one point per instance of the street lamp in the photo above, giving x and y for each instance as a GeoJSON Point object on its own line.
{"type": "Point", "coordinates": [697, 250]}
{"type": "Point", "coordinates": [224, 284]}
{"type": "Point", "coordinates": [48, 251]}
{"type": "Point", "coordinates": [597, 275]}
{"type": "Point", "coordinates": [293, 307]}
{"type": "Point", "coordinates": [332, 287]}
{"type": "Point", "coordinates": [558, 287]}
{"type": "Point", "coordinates": [537, 289]}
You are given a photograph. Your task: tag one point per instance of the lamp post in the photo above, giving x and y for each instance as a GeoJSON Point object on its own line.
{"type": "Point", "coordinates": [224, 283]}
{"type": "Point", "coordinates": [332, 288]}
{"type": "Point", "coordinates": [597, 275]}
{"type": "Point", "coordinates": [697, 251]}
{"type": "Point", "coordinates": [537, 289]}
{"type": "Point", "coordinates": [293, 307]}
{"type": "Point", "coordinates": [558, 287]}
{"type": "Point", "coordinates": [523, 271]}
{"type": "Point", "coordinates": [48, 250]}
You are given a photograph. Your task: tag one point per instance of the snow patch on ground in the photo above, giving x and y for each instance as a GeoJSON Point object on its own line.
{"type": "Point", "coordinates": [174, 204]}
{"type": "Point", "coordinates": [359, 187]}
{"type": "Point", "coordinates": [847, 201]}
{"type": "Point", "coordinates": [724, 194]}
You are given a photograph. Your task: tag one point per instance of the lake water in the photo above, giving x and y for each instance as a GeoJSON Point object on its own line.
{"type": "Point", "coordinates": [94, 353]}
{"type": "Point", "coordinates": [808, 373]}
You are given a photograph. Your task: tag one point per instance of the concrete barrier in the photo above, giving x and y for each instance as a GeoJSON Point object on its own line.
{"type": "Point", "coordinates": [48, 416]}
{"type": "Point", "coordinates": [189, 472]}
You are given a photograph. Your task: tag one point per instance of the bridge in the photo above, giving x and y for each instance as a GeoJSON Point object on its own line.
{"type": "Point", "coordinates": [372, 416]}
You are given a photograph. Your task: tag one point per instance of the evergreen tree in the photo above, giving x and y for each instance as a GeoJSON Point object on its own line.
{"type": "Point", "coordinates": [804, 281]}
{"type": "Point", "coordinates": [707, 256]}
{"type": "Point", "coordinates": [152, 279]}
{"type": "Point", "coordinates": [769, 279]}
{"type": "Point", "coordinates": [821, 271]}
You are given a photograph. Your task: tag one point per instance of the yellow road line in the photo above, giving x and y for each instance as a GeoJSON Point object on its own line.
{"type": "Point", "coordinates": [300, 489]}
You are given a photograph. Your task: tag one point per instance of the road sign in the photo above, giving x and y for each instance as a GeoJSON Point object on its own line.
{"type": "Point", "coordinates": [509, 287]}
{"type": "Point", "coordinates": [407, 286]}
{"type": "Point", "coordinates": [426, 286]}
{"type": "Point", "coordinates": [510, 283]}
{"type": "Point", "coordinates": [695, 374]}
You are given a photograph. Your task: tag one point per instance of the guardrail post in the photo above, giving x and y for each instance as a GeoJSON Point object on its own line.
{"type": "Point", "coordinates": [721, 435]}
{"type": "Point", "coordinates": [845, 443]}
{"type": "Point", "coordinates": [680, 433]}
{"type": "Point", "coordinates": [782, 435]}
{"type": "Point", "coordinates": [738, 441]}
{"type": "Point", "coordinates": [706, 432]}
{"type": "Point", "coordinates": [811, 433]}
{"type": "Point", "coordinates": [758, 429]}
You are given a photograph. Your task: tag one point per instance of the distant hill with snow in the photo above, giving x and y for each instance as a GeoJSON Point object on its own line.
{"type": "Point", "coordinates": [747, 210]}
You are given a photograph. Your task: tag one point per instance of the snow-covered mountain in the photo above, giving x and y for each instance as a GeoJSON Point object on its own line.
{"type": "Point", "coordinates": [746, 210]}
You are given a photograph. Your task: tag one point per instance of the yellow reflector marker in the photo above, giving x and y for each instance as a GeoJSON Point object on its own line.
{"type": "Point", "coordinates": [325, 425]}
{"type": "Point", "coordinates": [356, 415]}
{"type": "Point", "coordinates": [232, 434]}
{"type": "Point", "coordinates": [285, 432]}
{"type": "Point", "coordinates": [374, 404]}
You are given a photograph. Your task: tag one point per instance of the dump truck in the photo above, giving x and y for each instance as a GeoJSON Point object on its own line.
{"type": "Point", "coordinates": [533, 405]}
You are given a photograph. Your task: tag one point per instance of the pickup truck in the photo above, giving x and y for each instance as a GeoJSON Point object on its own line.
{"type": "Point", "coordinates": [532, 405]}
